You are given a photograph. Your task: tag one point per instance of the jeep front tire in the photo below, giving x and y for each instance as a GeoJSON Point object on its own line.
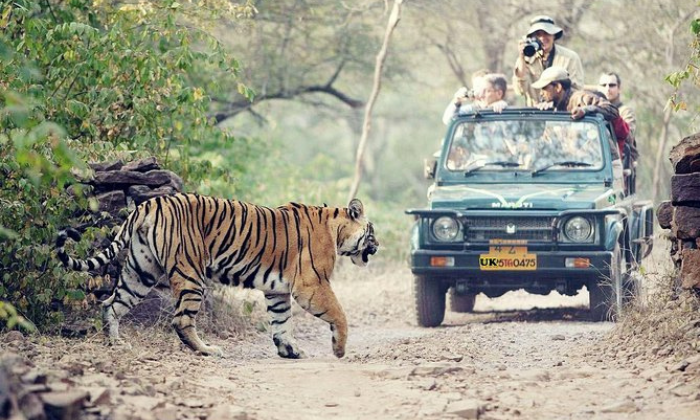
{"type": "Point", "coordinates": [430, 298]}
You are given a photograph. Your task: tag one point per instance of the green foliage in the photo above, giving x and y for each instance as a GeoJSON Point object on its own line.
{"type": "Point", "coordinates": [87, 81]}
{"type": "Point", "coordinates": [691, 71]}
{"type": "Point", "coordinates": [10, 318]}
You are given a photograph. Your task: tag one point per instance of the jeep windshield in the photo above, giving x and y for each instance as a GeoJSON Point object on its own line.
{"type": "Point", "coordinates": [530, 145]}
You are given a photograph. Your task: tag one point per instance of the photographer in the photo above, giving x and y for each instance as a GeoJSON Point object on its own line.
{"type": "Point", "coordinates": [489, 93]}
{"type": "Point", "coordinates": [538, 52]}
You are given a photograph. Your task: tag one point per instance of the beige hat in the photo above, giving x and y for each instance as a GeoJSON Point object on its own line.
{"type": "Point", "coordinates": [551, 74]}
{"type": "Point", "coordinates": [544, 23]}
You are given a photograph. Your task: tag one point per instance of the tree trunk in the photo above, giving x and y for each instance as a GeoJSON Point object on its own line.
{"type": "Point", "coordinates": [378, 68]}
{"type": "Point", "coordinates": [660, 156]}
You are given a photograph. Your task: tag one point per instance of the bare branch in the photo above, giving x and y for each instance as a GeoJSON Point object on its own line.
{"type": "Point", "coordinates": [378, 68]}
{"type": "Point", "coordinates": [233, 108]}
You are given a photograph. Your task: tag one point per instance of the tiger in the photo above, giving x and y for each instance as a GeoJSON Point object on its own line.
{"type": "Point", "coordinates": [187, 241]}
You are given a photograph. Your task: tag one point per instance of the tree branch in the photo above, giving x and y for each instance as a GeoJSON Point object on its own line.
{"type": "Point", "coordinates": [233, 108]}
{"type": "Point", "coordinates": [379, 67]}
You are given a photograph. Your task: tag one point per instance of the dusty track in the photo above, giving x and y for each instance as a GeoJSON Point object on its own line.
{"type": "Point", "coordinates": [506, 361]}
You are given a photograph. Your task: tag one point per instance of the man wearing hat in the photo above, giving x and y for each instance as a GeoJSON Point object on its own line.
{"type": "Point", "coordinates": [558, 94]}
{"type": "Point", "coordinates": [529, 69]}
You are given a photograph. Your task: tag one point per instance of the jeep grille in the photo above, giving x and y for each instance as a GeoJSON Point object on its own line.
{"type": "Point", "coordinates": [483, 229]}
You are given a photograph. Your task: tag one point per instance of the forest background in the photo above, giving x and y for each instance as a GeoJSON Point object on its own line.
{"type": "Point", "coordinates": [264, 102]}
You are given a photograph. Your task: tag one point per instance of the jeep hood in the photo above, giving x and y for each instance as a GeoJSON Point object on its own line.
{"type": "Point", "coordinates": [520, 196]}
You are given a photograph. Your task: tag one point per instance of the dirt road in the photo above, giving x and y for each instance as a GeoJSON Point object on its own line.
{"type": "Point", "coordinates": [506, 361]}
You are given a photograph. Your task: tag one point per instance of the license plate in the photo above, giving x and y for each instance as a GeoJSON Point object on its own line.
{"type": "Point", "coordinates": [506, 257]}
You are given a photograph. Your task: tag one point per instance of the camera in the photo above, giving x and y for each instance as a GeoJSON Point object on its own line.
{"type": "Point", "coordinates": [465, 93]}
{"type": "Point", "coordinates": [532, 46]}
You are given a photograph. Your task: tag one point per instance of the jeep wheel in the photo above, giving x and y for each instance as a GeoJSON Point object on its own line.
{"type": "Point", "coordinates": [606, 294]}
{"type": "Point", "coordinates": [462, 303]}
{"type": "Point", "coordinates": [430, 300]}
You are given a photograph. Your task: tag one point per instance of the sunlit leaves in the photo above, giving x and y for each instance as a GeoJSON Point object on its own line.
{"type": "Point", "coordinates": [691, 72]}
{"type": "Point", "coordinates": [85, 81]}
{"type": "Point", "coordinates": [10, 317]}
{"type": "Point", "coordinates": [695, 27]}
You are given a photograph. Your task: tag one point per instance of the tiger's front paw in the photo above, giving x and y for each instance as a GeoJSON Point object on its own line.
{"type": "Point", "coordinates": [289, 349]}
{"type": "Point", "coordinates": [339, 351]}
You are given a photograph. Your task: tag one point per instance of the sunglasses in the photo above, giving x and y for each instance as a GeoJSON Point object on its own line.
{"type": "Point", "coordinates": [608, 84]}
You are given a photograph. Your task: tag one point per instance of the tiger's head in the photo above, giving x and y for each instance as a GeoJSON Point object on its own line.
{"type": "Point", "coordinates": [356, 236]}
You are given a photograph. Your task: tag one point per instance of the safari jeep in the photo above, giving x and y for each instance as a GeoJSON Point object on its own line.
{"type": "Point", "coordinates": [531, 200]}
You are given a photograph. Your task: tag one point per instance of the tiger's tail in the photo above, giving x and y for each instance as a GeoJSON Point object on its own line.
{"type": "Point", "coordinates": [104, 257]}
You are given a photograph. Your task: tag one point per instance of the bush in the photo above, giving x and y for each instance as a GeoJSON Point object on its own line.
{"type": "Point", "coordinates": [83, 81]}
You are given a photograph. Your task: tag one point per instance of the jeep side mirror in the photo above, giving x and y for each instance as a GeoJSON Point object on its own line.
{"type": "Point", "coordinates": [429, 166]}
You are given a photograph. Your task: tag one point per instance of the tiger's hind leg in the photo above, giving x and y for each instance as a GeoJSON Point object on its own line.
{"type": "Point", "coordinates": [279, 309]}
{"type": "Point", "coordinates": [139, 275]}
{"type": "Point", "coordinates": [319, 300]}
{"type": "Point", "coordinates": [188, 288]}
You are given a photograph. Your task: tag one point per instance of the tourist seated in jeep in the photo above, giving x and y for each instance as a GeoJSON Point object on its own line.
{"type": "Point", "coordinates": [559, 95]}
{"type": "Point", "coordinates": [489, 93]}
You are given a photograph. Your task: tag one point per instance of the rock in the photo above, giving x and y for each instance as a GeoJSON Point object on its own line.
{"type": "Point", "coordinates": [686, 222]}
{"type": "Point", "coordinates": [685, 190]}
{"type": "Point", "coordinates": [434, 370]}
{"type": "Point", "coordinates": [683, 390]}
{"type": "Point", "coordinates": [142, 165]}
{"type": "Point", "coordinates": [664, 214]}
{"type": "Point", "coordinates": [558, 337]}
{"type": "Point", "coordinates": [451, 357]}
{"type": "Point", "coordinates": [690, 268]}
{"type": "Point", "coordinates": [106, 166]}
{"type": "Point", "coordinates": [536, 375]}
{"type": "Point", "coordinates": [165, 413]}
{"type": "Point", "coordinates": [466, 409]}
{"type": "Point", "coordinates": [685, 156]}
{"type": "Point", "coordinates": [154, 178]}
{"type": "Point", "coordinates": [626, 406]}
{"type": "Point", "coordinates": [64, 405]}
{"type": "Point", "coordinates": [111, 201]}
{"type": "Point", "coordinates": [142, 402]}
{"type": "Point", "coordinates": [13, 336]}
{"type": "Point", "coordinates": [98, 395]}
{"type": "Point", "coordinates": [680, 366]}
{"type": "Point", "coordinates": [653, 374]}
{"type": "Point", "coordinates": [228, 412]}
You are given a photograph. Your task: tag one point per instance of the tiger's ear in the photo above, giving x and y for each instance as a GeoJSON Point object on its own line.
{"type": "Point", "coordinates": [355, 209]}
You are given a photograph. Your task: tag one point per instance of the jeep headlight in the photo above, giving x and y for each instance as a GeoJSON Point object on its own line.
{"type": "Point", "coordinates": [578, 229]}
{"type": "Point", "coordinates": [446, 229]}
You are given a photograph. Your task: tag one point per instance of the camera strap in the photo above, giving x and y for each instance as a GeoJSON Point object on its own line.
{"type": "Point", "coordinates": [550, 59]}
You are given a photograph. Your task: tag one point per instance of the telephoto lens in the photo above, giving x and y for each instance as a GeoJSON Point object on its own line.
{"type": "Point", "coordinates": [531, 47]}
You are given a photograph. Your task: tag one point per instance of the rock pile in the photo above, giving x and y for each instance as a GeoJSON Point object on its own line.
{"type": "Point", "coordinates": [117, 185]}
{"type": "Point", "coordinates": [682, 213]}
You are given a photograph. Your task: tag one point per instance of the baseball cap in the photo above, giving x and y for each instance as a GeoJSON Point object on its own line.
{"type": "Point", "coordinates": [549, 75]}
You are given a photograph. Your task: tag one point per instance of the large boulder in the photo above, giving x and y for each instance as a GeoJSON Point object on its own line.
{"type": "Point", "coordinates": [686, 223]}
{"type": "Point", "coordinates": [685, 190]}
{"type": "Point", "coordinates": [690, 269]}
{"type": "Point", "coordinates": [664, 214]}
{"type": "Point", "coordinates": [685, 156]}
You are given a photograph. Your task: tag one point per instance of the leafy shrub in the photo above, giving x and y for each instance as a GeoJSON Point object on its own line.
{"type": "Point", "coordinates": [85, 81]}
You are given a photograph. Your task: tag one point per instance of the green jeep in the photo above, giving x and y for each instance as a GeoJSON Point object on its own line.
{"type": "Point", "coordinates": [532, 200]}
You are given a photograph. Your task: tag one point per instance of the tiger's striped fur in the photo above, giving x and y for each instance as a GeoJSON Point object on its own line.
{"type": "Point", "coordinates": [185, 240]}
